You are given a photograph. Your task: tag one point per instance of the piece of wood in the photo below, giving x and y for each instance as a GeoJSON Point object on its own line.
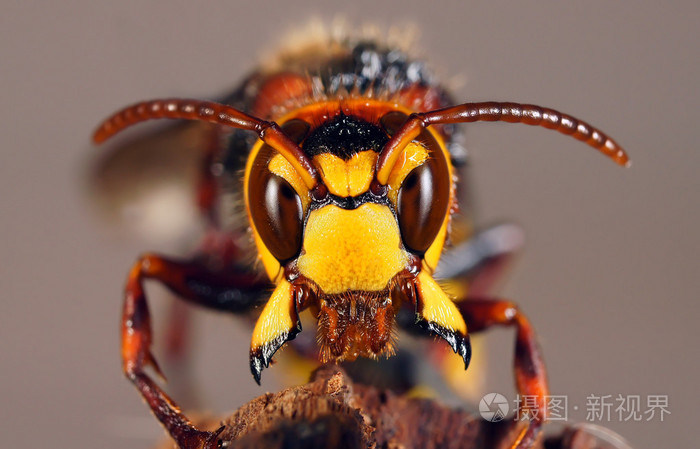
{"type": "Point", "coordinates": [333, 412]}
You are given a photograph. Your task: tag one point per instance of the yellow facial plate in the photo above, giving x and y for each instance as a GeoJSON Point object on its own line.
{"type": "Point", "coordinates": [357, 249]}
{"type": "Point", "coordinates": [277, 317]}
{"type": "Point", "coordinates": [437, 307]}
{"type": "Point", "coordinates": [347, 178]}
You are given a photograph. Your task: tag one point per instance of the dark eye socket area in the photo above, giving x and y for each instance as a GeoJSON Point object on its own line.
{"type": "Point", "coordinates": [392, 121]}
{"type": "Point", "coordinates": [296, 129]}
{"type": "Point", "coordinates": [276, 211]}
{"type": "Point", "coordinates": [423, 200]}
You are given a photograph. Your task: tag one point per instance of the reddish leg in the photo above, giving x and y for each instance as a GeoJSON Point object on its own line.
{"type": "Point", "coordinates": [234, 292]}
{"type": "Point", "coordinates": [530, 373]}
{"type": "Point", "coordinates": [177, 333]}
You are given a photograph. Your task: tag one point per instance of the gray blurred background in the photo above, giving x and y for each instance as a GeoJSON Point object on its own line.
{"type": "Point", "coordinates": [609, 276]}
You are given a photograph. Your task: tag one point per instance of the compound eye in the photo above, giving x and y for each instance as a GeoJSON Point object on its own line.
{"type": "Point", "coordinates": [277, 212]}
{"type": "Point", "coordinates": [424, 195]}
{"type": "Point", "coordinates": [422, 206]}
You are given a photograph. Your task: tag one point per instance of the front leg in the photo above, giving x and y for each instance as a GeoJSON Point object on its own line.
{"type": "Point", "coordinates": [530, 372]}
{"type": "Point", "coordinates": [190, 280]}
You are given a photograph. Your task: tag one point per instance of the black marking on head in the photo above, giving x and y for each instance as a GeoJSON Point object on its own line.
{"type": "Point", "coordinates": [351, 202]}
{"type": "Point", "coordinates": [459, 343]}
{"type": "Point", "coordinates": [260, 357]}
{"type": "Point", "coordinates": [345, 136]}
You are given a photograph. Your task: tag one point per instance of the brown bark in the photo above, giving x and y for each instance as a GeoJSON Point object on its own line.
{"type": "Point", "coordinates": [333, 412]}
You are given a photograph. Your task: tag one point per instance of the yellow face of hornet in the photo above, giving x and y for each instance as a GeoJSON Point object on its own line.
{"type": "Point", "coordinates": [352, 250]}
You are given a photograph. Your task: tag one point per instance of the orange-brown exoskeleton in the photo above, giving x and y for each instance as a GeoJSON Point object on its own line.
{"type": "Point", "coordinates": [350, 185]}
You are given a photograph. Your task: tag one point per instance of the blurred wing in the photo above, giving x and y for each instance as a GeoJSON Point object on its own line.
{"type": "Point", "coordinates": [475, 266]}
{"type": "Point", "coordinates": [147, 182]}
